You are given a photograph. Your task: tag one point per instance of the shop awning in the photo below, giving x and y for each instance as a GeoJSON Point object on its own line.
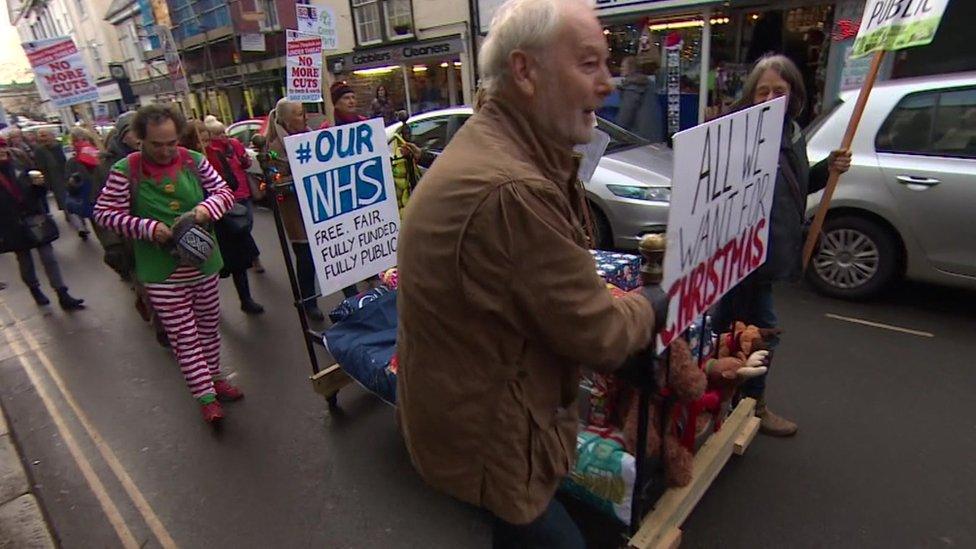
{"type": "Point", "coordinates": [610, 8]}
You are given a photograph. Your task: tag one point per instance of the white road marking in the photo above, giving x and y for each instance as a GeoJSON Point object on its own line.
{"type": "Point", "coordinates": [155, 524]}
{"type": "Point", "coordinates": [97, 488]}
{"type": "Point", "coordinates": [880, 325]}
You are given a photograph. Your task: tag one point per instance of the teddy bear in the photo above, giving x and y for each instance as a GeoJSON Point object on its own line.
{"type": "Point", "coordinates": [684, 381]}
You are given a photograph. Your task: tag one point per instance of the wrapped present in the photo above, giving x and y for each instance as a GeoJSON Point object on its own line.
{"type": "Point", "coordinates": [621, 270]}
{"type": "Point", "coordinates": [604, 473]}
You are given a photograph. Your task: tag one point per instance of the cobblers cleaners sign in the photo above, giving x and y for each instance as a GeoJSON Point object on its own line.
{"type": "Point", "coordinates": [61, 72]}
{"type": "Point", "coordinates": [304, 67]}
{"type": "Point", "coordinates": [897, 24]}
{"type": "Point", "coordinates": [344, 184]}
{"type": "Point", "coordinates": [721, 197]}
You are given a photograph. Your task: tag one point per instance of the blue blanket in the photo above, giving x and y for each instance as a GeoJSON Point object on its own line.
{"type": "Point", "coordinates": [364, 343]}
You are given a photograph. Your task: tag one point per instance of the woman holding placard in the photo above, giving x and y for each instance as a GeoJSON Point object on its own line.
{"type": "Point", "coordinates": [751, 301]}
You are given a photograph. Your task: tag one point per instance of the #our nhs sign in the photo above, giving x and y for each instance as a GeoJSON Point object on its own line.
{"type": "Point", "coordinates": [344, 184]}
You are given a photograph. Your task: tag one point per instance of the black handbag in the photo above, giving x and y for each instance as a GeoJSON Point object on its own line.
{"type": "Point", "coordinates": [237, 220]}
{"type": "Point", "coordinates": [39, 229]}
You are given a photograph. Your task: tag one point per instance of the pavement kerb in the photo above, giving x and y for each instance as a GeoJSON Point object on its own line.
{"type": "Point", "coordinates": [22, 525]}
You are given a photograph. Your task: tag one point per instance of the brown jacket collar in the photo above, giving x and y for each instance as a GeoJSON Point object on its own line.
{"type": "Point", "coordinates": [555, 161]}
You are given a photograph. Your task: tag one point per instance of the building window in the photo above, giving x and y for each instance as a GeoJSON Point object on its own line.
{"type": "Point", "coordinates": [367, 16]}
{"type": "Point", "coordinates": [382, 20]}
{"type": "Point", "coordinates": [270, 16]}
{"type": "Point", "coordinates": [399, 19]}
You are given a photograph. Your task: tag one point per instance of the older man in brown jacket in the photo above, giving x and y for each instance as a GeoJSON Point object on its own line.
{"type": "Point", "coordinates": [499, 299]}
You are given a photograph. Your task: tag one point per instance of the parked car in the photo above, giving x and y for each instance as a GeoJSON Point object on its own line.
{"type": "Point", "coordinates": [629, 194]}
{"type": "Point", "coordinates": [244, 129]}
{"type": "Point", "coordinates": [905, 208]}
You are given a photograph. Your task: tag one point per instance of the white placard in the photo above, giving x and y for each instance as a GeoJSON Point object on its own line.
{"type": "Point", "coordinates": [721, 198]}
{"type": "Point", "coordinates": [253, 41]}
{"type": "Point", "coordinates": [897, 24]}
{"type": "Point", "coordinates": [320, 21]}
{"type": "Point", "coordinates": [592, 153]}
{"type": "Point", "coordinates": [60, 71]}
{"type": "Point", "coordinates": [344, 183]}
{"type": "Point", "coordinates": [304, 73]}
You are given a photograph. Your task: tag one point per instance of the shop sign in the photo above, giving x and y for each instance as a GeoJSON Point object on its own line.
{"type": "Point", "coordinates": [60, 71]}
{"type": "Point", "coordinates": [404, 53]}
{"type": "Point", "coordinates": [318, 20]}
{"type": "Point", "coordinates": [721, 198]}
{"type": "Point", "coordinates": [345, 189]}
{"type": "Point", "coordinates": [614, 7]}
{"type": "Point", "coordinates": [897, 24]}
{"type": "Point", "coordinates": [253, 41]}
{"type": "Point", "coordinates": [304, 67]}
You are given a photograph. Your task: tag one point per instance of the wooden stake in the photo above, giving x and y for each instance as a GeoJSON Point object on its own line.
{"type": "Point", "coordinates": [862, 100]}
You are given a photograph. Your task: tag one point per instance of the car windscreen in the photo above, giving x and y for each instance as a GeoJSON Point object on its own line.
{"type": "Point", "coordinates": [620, 139]}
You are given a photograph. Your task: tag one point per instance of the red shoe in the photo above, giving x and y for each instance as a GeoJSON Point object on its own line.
{"type": "Point", "coordinates": [226, 391]}
{"type": "Point", "coordinates": [212, 413]}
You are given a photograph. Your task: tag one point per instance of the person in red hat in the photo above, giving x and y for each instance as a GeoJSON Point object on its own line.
{"type": "Point", "coordinates": [344, 101]}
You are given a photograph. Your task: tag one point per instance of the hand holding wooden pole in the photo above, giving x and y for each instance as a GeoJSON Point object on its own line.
{"type": "Point", "coordinates": [862, 100]}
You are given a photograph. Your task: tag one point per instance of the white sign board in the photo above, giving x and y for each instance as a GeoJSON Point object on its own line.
{"type": "Point", "coordinates": [897, 24]}
{"type": "Point", "coordinates": [304, 73]}
{"type": "Point", "coordinates": [592, 153]}
{"type": "Point", "coordinates": [721, 197]}
{"type": "Point", "coordinates": [320, 21]}
{"type": "Point", "coordinates": [60, 71]}
{"type": "Point", "coordinates": [344, 184]}
{"type": "Point", "coordinates": [253, 41]}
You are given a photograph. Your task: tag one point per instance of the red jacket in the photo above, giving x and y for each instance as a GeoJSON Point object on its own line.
{"type": "Point", "coordinates": [227, 152]}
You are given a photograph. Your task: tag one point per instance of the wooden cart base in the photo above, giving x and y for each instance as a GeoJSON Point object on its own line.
{"type": "Point", "coordinates": [661, 527]}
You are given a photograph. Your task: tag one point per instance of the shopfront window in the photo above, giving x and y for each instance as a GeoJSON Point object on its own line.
{"type": "Point", "coordinates": [382, 20]}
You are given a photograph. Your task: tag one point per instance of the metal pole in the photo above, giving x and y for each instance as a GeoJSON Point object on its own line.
{"type": "Point", "coordinates": [706, 56]}
{"type": "Point", "coordinates": [406, 90]}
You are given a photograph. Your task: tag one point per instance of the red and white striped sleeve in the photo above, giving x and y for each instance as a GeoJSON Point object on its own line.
{"type": "Point", "coordinates": [220, 198]}
{"type": "Point", "coordinates": [113, 206]}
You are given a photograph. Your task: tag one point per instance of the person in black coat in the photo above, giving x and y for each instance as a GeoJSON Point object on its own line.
{"type": "Point", "coordinates": [751, 301]}
{"type": "Point", "coordinates": [25, 226]}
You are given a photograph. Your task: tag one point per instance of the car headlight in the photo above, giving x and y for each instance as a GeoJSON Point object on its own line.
{"type": "Point", "coordinates": [635, 192]}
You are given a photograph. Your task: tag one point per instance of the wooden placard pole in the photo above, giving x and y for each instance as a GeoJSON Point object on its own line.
{"type": "Point", "coordinates": [832, 179]}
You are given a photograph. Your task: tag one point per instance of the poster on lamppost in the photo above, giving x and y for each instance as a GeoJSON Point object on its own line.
{"type": "Point", "coordinates": [721, 199]}
{"type": "Point", "coordinates": [344, 184]}
{"type": "Point", "coordinates": [60, 71]}
{"type": "Point", "coordinates": [304, 67]}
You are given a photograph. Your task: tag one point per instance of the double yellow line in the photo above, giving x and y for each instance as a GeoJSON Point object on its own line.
{"type": "Point", "coordinates": [34, 349]}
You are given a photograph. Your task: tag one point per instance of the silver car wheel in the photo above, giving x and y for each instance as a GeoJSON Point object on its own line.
{"type": "Point", "coordinates": [847, 258]}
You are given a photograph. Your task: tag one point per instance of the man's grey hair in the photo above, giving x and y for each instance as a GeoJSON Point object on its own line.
{"type": "Point", "coordinates": [528, 25]}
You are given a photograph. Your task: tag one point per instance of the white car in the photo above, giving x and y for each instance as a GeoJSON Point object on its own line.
{"type": "Point", "coordinates": [630, 191]}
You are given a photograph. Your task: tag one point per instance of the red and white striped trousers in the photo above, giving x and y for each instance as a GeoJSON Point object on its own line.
{"type": "Point", "coordinates": [190, 314]}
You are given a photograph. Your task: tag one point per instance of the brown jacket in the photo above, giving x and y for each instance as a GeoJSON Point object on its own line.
{"type": "Point", "coordinates": [291, 214]}
{"type": "Point", "coordinates": [499, 304]}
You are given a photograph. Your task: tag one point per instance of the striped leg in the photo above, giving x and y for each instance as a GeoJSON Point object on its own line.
{"type": "Point", "coordinates": [206, 307]}
{"type": "Point", "coordinates": [174, 305]}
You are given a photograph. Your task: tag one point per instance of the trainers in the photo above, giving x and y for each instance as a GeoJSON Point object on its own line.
{"type": "Point", "coordinates": [212, 412]}
{"type": "Point", "coordinates": [772, 424]}
{"type": "Point", "coordinates": [226, 391]}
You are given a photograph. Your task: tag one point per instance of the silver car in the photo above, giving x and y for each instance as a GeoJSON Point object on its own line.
{"type": "Point", "coordinates": [906, 206]}
{"type": "Point", "coordinates": [630, 191]}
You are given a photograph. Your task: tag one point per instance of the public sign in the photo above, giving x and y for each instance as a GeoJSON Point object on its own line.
{"type": "Point", "coordinates": [304, 77]}
{"type": "Point", "coordinates": [174, 65]}
{"type": "Point", "coordinates": [320, 21]}
{"type": "Point", "coordinates": [253, 41]}
{"type": "Point", "coordinates": [721, 198]}
{"type": "Point", "coordinates": [60, 71]}
{"type": "Point", "coordinates": [344, 183]}
{"type": "Point", "coordinates": [897, 24]}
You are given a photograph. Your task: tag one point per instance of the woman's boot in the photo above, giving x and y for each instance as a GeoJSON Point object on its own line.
{"type": "Point", "coordinates": [69, 303]}
{"type": "Point", "coordinates": [772, 424]}
{"type": "Point", "coordinates": [248, 305]}
{"type": "Point", "coordinates": [39, 296]}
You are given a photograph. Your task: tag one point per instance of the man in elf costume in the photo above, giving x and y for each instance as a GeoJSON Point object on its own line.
{"type": "Point", "coordinates": [147, 195]}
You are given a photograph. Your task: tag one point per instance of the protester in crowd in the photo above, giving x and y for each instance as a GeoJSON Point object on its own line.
{"type": "Point", "coordinates": [50, 159]}
{"type": "Point", "coordinates": [16, 141]}
{"type": "Point", "coordinates": [119, 143]}
{"type": "Point", "coordinates": [25, 226]}
{"type": "Point", "coordinates": [237, 246]}
{"type": "Point", "coordinates": [145, 195]}
{"type": "Point", "coordinates": [255, 174]}
{"type": "Point", "coordinates": [640, 111]}
{"type": "Point", "coordinates": [82, 171]}
{"type": "Point", "coordinates": [344, 101]}
{"type": "Point", "coordinates": [751, 301]}
{"type": "Point", "coordinates": [31, 139]}
{"type": "Point", "coordinates": [288, 118]}
{"type": "Point", "coordinates": [195, 136]}
{"type": "Point", "coordinates": [499, 301]}
{"type": "Point", "coordinates": [381, 107]}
